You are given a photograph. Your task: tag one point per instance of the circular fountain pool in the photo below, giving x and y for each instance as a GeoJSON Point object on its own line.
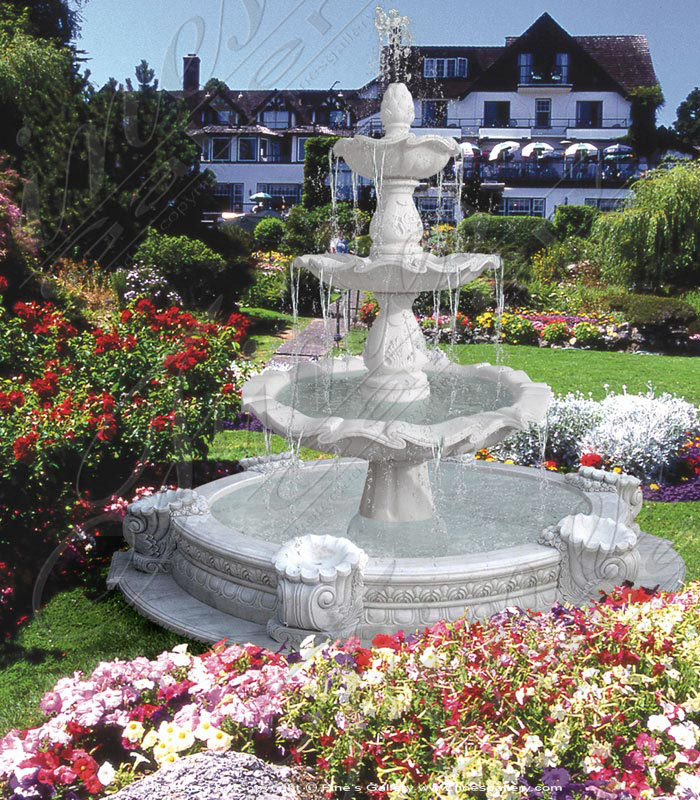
{"type": "Point", "coordinates": [323, 497]}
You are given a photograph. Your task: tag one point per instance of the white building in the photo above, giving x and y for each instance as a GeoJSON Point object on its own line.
{"type": "Point", "coordinates": [568, 97]}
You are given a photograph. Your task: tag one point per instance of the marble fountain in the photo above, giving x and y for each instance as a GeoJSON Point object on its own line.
{"type": "Point", "coordinates": [401, 527]}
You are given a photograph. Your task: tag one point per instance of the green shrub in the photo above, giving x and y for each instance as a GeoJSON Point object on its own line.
{"type": "Point", "coordinates": [270, 289]}
{"type": "Point", "coordinates": [692, 299]}
{"type": "Point", "coordinates": [574, 221]}
{"type": "Point", "coordinates": [587, 334]}
{"type": "Point", "coordinates": [556, 333]}
{"type": "Point", "coordinates": [515, 330]}
{"type": "Point", "coordinates": [567, 260]}
{"type": "Point", "coordinates": [269, 233]}
{"type": "Point", "coordinates": [311, 231]}
{"type": "Point", "coordinates": [648, 310]}
{"type": "Point", "coordinates": [544, 296]}
{"type": "Point", "coordinates": [474, 299]}
{"type": "Point", "coordinates": [361, 245]}
{"type": "Point", "coordinates": [194, 270]}
{"type": "Point", "coordinates": [517, 239]}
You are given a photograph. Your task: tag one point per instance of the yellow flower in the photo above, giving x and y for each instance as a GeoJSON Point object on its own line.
{"type": "Point", "coordinates": [654, 486]}
{"type": "Point", "coordinates": [617, 469]}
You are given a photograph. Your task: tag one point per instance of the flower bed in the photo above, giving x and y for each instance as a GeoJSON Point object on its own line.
{"type": "Point", "coordinates": [82, 412]}
{"type": "Point", "coordinates": [654, 438]}
{"type": "Point", "coordinates": [596, 703]}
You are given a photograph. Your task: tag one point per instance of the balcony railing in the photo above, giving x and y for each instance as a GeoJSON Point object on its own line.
{"type": "Point", "coordinates": [470, 126]}
{"type": "Point", "coordinates": [552, 170]}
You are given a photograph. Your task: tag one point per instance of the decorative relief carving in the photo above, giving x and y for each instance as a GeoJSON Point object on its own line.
{"type": "Point", "coordinates": [597, 553]}
{"type": "Point", "coordinates": [319, 588]}
{"type": "Point", "coordinates": [147, 526]}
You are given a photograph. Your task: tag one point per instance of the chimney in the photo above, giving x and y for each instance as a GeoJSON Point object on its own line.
{"type": "Point", "coordinates": [190, 73]}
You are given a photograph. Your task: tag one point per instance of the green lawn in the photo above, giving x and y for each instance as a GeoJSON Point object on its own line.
{"type": "Point", "coordinates": [234, 445]}
{"type": "Point", "coordinates": [72, 632]}
{"type": "Point", "coordinates": [583, 370]}
{"type": "Point", "coordinates": [268, 330]}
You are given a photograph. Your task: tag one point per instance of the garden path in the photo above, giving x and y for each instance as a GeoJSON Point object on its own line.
{"type": "Point", "coordinates": [313, 341]}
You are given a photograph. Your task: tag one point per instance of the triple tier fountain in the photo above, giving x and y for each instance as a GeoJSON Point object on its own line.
{"type": "Point", "coordinates": [401, 527]}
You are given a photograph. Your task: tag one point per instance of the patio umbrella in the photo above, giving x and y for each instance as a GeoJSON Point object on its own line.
{"type": "Point", "coordinates": [504, 149]}
{"type": "Point", "coordinates": [618, 151]}
{"type": "Point", "coordinates": [538, 149]}
{"type": "Point", "coordinates": [581, 149]}
{"type": "Point", "coordinates": [469, 150]}
{"type": "Point", "coordinates": [261, 196]}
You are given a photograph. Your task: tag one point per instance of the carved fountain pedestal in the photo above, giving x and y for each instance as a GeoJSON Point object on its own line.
{"type": "Point", "coordinates": [401, 528]}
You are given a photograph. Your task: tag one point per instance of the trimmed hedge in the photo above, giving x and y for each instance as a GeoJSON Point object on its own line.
{"type": "Point", "coordinates": [517, 239]}
{"type": "Point", "coordinates": [574, 221]}
{"type": "Point", "coordinates": [649, 310]}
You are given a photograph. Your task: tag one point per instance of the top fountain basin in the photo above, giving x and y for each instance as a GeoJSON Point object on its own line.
{"type": "Point", "coordinates": [405, 156]}
{"type": "Point", "coordinates": [399, 153]}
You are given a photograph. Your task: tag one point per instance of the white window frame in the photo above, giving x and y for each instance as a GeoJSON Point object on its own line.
{"type": "Point", "coordinates": [228, 156]}
{"type": "Point", "coordinates": [301, 145]}
{"type": "Point", "coordinates": [256, 145]}
{"type": "Point", "coordinates": [442, 67]}
{"type": "Point", "coordinates": [548, 101]}
{"type": "Point", "coordinates": [275, 125]}
{"type": "Point", "coordinates": [562, 64]}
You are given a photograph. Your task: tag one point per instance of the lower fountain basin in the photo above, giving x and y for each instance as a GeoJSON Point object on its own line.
{"type": "Point", "coordinates": [212, 573]}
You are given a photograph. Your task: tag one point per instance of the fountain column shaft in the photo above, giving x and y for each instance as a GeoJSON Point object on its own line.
{"type": "Point", "coordinates": [395, 354]}
{"type": "Point", "coordinates": [397, 491]}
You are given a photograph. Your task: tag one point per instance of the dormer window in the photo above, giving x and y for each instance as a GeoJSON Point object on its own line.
{"type": "Point", "coordinates": [560, 73]}
{"type": "Point", "coordinates": [276, 119]}
{"type": "Point", "coordinates": [220, 115]}
{"type": "Point", "coordinates": [525, 64]}
{"type": "Point", "coordinates": [445, 68]}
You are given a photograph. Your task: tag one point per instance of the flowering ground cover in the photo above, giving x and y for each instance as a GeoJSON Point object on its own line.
{"type": "Point", "coordinates": [599, 703]}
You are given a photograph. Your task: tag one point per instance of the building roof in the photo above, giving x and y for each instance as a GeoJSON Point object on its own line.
{"type": "Point", "coordinates": [626, 58]}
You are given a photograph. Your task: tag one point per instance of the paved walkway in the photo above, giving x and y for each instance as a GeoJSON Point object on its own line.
{"type": "Point", "coordinates": [312, 342]}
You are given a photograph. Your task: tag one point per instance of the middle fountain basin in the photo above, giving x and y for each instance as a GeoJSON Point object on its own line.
{"type": "Point", "coordinates": [321, 405]}
{"type": "Point", "coordinates": [491, 560]}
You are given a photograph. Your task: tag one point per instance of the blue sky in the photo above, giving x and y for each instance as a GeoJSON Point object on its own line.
{"type": "Point", "coordinates": [313, 43]}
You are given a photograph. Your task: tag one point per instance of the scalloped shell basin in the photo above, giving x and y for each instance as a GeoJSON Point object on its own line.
{"type": "Point", "coordinates": [483, 507]}
{"type": "Point", "coordinates": [452, 395]}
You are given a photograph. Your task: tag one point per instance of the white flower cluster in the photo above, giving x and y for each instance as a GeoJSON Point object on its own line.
{"type": "Point", "coordinates": [149, 281]}
{"type": "Point", "coordinates": [639, 433]}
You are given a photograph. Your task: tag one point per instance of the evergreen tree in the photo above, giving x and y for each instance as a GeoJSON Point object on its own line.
{"type": "Point", "coordinates": [687, 124]}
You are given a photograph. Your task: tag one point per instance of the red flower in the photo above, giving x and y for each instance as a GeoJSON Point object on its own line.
{"type": "Point", "coordinates": [162, 422]}
{"type": "Point", "coordinates": [241, 323]}
{"type": "Point", "coordinates": [126, 315]}
{"type": "Point", "coordinates": [46, 387]}
{"type": "Point", "coordinates": [3, 283]}
{"type": "Point", "coordinates": [227, 388]}
{"type": "Point", "coordinates": [24, 448]}
{"type": "Point", "coordinates": [363, 658]}
{"type": "Point", "coordinates": [591, 460]}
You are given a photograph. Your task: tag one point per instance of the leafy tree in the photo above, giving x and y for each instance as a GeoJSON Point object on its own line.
{"type": "Point", "coordinates": [137, 167]}
{"type": "Point", "coordinates": [687, 124]}
{"type": "Point", "coordinates": [269, 233]}
{"type": "Point", "coordinates": [55, 20]}
{"type": "Point", "coordinates": [655, 239]}
{"type": "Point", "coordinates": [645, 101]}
{"type": "Point", "coordinates": [315, 192]}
